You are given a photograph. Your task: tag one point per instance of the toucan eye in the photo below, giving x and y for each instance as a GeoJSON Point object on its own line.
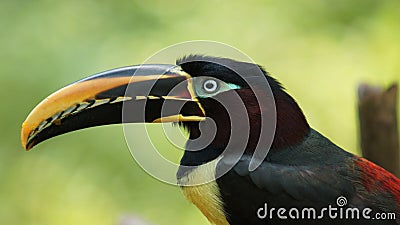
{"type": "Point", "coordinates": [210, 85]}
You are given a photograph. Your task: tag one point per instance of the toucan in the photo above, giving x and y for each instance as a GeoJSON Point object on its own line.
{"type": "Point", "coordinates": [233, 169]}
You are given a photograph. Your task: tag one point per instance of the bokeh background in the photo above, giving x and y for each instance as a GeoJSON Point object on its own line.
{"type": "Point", "coordinates": [320, 50]}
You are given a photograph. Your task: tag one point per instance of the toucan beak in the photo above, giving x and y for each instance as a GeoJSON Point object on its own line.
{"type": "Point", "coordinates": [144, 93]}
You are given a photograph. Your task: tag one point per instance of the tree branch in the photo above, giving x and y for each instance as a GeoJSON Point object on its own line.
{"type": "Point", "coordinates": [378, 126]}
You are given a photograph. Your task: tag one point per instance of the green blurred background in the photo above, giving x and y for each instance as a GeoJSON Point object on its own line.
{"type": "Point", "coordinates": [320, 50]}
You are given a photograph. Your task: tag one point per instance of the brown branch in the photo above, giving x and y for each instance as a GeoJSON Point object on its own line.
{"type": "Point", "coordinates": [378, 126]}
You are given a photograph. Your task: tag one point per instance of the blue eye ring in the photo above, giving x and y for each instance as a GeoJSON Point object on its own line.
{"type": "Point", "coordinates": [210, 85]}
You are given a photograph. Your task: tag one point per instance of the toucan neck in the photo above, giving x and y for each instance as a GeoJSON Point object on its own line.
{"type": "Point", "coordinates": [291, 125]}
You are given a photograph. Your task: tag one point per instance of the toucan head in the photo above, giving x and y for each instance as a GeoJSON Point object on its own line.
{"type": "Point", "coordinates": [196, 88]}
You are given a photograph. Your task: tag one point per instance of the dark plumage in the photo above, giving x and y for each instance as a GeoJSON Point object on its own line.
{"type": "Point", "coordinates": [303, 168]}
